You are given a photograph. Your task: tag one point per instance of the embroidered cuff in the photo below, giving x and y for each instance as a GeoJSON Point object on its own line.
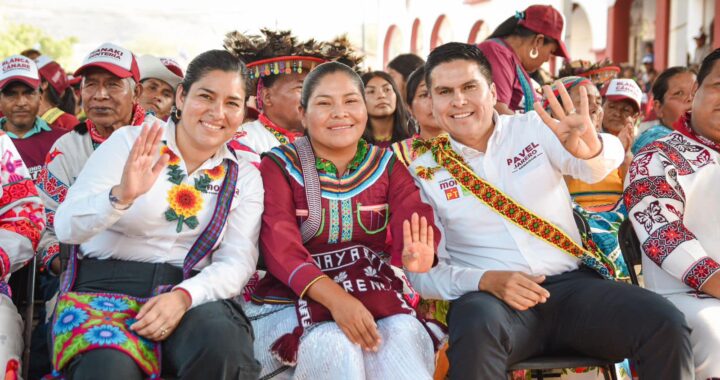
{"type": "Point", "coordinates": [698, 273]}
{"type": "Point", "coordinates": [4, 264]}
{"type": "Point", "coordinates": [48, 256]}
{"type": "Point", "coordinates": [302, 277]}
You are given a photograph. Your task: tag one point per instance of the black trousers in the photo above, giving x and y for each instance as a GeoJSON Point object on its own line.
{"type": "Point", "coordinates": [212, 341]}
{"type": "Point", "coordinates": [584, 315]}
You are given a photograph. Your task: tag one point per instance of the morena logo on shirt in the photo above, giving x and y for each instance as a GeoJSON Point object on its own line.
{"type": "Point", "coordinates": [451, 189]}
{"type": "Point", "coordinates": [525, 156]}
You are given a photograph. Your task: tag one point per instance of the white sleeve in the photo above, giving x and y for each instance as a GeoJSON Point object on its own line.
{"type": "Point", "coordinates": [590, 171]}
{"type": "Point", "coordinates": [444, 281]}
{"type": "Point", "coordinates": [236, 257]}
{"type": "Point", "coordinates": [86, 210]}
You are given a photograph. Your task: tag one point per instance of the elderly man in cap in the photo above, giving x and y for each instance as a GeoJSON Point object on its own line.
{"type": "Point", "coordinates": [57, 104]}
{"type": "Point", "coordinates": [109, 96]}
{"type": "Point", "coordinates": [20, 100]}
{"type": "Point", "coordinates": [159, 78]}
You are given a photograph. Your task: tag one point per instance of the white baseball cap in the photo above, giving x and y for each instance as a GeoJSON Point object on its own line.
{"type": "Point", "coordinates": [19, 68]}
{"type": "Point", "coordinates": [113, 58]}
{"type": "Point", "coordinates": [620, 89]}
{"type": "Point", "coordinates": [162, 68]}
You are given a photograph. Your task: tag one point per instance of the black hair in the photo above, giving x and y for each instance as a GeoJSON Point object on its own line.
{"type": "Point", "coordinates": [660, 86]}
{"type": "Point", "coordinates": [65, 102]}
{"type": "Point", "coordinates": [405, 64]}
{"type": "Point", "coordinates": [453, 51]}
{"type": "Point", "coordinates": [400, 130]}
{"type": "Point", "coordinates": [211, 60]}
{"type": "Point", "coordinates": [707, 65]}
{"type": "Point", "coordinates": [413, 82]}
{"type": "Point", "coordinates": [511, 27]}
{"type": "Point", "coordinates": [314, 77]}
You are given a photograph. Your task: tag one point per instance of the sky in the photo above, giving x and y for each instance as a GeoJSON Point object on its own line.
{"type": "Point", "coordinates": [184, 28]}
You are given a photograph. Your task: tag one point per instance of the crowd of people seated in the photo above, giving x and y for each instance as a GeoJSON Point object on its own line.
{"type": "Point", "coordinates": [273, 211]}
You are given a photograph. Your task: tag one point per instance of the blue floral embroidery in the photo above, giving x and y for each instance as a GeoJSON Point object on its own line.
{"type": "Point", "coordinates": [111, 304]}
{"type": "Point", "coordinates": [69, 319]}
{"type": "Point", "coordinates": [105, 335]}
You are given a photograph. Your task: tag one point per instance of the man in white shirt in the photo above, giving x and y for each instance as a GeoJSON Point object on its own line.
{"type": "Point", "coordinates": [515, 295]}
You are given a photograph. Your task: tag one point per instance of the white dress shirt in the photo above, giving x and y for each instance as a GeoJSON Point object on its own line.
{"type": "Point", "coordinates": [526, 161]}
{"type": "Point", "coordinates": [142, 232]}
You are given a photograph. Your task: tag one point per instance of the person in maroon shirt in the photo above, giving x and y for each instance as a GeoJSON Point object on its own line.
{"type": "Point", "coordinates": [519, 46]}
{"type": "Point", "coordinates": [326, 250]}
{"type": "Point", "coordinates": [20, 103]}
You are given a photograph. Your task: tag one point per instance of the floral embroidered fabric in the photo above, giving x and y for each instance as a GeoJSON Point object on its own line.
{"type": "Point", "coordinates": [88, 321]}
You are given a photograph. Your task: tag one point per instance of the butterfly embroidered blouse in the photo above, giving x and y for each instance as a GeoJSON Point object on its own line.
{"type": "Point", "coordinates": [671, 195]}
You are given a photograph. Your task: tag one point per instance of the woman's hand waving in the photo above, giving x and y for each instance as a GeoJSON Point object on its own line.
{"type": "Point", "coordinates": [418, 244]}
{"type": "Point", "coordinates": [141, 169]}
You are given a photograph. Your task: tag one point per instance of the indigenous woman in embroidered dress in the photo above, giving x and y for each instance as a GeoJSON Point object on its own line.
{"type": "Point", "coordinates": [671, 194]}
{"type": "Point", "coordinates": [22, 219]}
{"type": "Point", "coordinates": [167, 218]}
{"type": "Point", "coordinates": [387, 115]}
{"type": "Point", "coordinates": [331, 200]}
{"type": "Point", "coordinates": [518, 47]}
{"type": "Point", "coordinates": [420, 107]}
{"type": "Point", "coordinates": [278, 63]}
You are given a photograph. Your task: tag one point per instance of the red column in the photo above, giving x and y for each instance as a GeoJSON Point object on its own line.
{"type": "Point", "coordinates": [662, 33]}
{"type": "Point", "coordinates": [716, 26]}
{"type": "Point", "coordinates": [618, 41]}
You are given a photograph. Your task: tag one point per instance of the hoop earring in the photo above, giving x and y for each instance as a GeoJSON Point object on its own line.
{"type": "Point", "coordinates": [534, 53]}
{"type": "Point", "coordinates": [177, 114]}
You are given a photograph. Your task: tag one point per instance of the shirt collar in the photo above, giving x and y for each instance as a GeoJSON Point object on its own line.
{"type": "Point", "coordinates": [40, 126]}
{"type": "Point", "coordinates": [471, 153]}
{"type": "Point", "coordinates": [223, 153]}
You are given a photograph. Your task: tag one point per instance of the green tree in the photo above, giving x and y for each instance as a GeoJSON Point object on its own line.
{"type": "Point", "coordinates": [18, 37]}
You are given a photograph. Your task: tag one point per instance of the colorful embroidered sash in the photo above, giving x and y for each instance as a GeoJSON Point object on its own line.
{"type": "Point", "coordinates": [509, 209]}
{"type": "Point", "coordinates": [87, 321]}
{"type": "Point", "coordinates": [311, 179]}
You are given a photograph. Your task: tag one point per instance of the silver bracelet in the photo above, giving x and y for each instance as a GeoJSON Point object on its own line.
{"type": "Point", "coordinates": [115, 202]}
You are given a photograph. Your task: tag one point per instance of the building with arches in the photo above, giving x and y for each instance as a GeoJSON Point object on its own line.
{"type": "Point", "coordinates": [622, 30]}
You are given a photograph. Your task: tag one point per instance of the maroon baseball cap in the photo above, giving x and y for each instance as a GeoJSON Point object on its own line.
{"type": "Point", "coordinates": [52, 73]}
{"type": "Point", "coordinates": [546, 20]}
{"type": "Point", "coordinates": [117, 60]}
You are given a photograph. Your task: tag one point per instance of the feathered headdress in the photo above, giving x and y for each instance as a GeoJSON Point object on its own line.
{"type": "Point", "coordinates": [599, 72]}
{"type": "Point", "coordinates": [279, 52]}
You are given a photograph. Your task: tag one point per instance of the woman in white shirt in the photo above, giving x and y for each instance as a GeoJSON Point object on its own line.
{"type": "Point", "coordinates": [167, 221]}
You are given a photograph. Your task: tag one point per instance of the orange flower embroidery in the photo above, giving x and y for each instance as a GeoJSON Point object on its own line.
{"type": "Point", "coordinates": [174, 159]}
{"type": "Point", "coordinates": [216, 173]}
{"type": "Point", "coordinates": [185, 200]}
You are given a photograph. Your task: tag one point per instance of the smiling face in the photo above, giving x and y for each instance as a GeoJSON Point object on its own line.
{"type": "Point", "coordinates": [335, 115]}
{"type": "Point", "coordinates": [380, 97]}
{"type": "Point", "coordinates": [20, 104]}
{"type": "Point", "coordinates": [462, 100]}
{"type": "Point", "coordinates": [107, 99]}
{"type": "Point", "coordinates": [706, 106]}
{"type": "Point", "coordinates": [212, 110]}
{"type": "Point", "coordinates": [421, 109]}
{"type": "Point", "coordinates": [157, 96]}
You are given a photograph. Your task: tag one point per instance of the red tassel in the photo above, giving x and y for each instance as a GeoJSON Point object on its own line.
{"type": "Point", "coordinates": [286, 348]}
{"type": "Point", "coordinates": [11, 370]}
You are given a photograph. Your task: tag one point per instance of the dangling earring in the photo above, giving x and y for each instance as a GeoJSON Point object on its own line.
{"type": "Point", "coordinates": [534, 53]}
